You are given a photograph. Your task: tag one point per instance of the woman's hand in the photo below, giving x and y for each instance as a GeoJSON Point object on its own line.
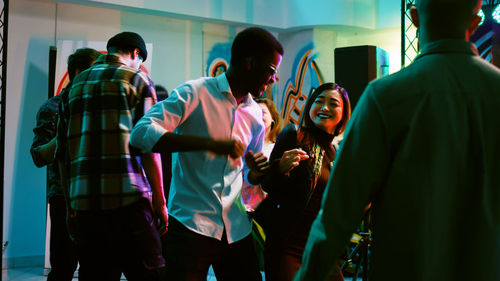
{"type": "Point", "coordinates": [291, 159]}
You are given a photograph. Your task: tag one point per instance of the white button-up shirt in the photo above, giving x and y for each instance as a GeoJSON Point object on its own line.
{"type": "Point", "coordinates": [205, 188]}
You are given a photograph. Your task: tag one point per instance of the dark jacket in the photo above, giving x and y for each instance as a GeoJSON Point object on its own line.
{"type": "Point", "coordinates": [288, 195]}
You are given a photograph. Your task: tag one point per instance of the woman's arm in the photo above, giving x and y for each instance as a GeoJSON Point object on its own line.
{"type": "Point", "coordinates": [274, 180]}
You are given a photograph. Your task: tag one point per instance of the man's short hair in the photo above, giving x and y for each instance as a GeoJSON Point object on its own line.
{"type": "Point", "coordinates": [127, 42]}
{"type": "Point", "coordinates": [444, 13]}
{"type": "Point", "coordinates": [161, 92]}
{"type": "Point", "coordinates": [256, 42]}
{"type": "Point", "coordinates": [80, 60]}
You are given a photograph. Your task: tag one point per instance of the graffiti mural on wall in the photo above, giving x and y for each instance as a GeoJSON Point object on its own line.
{"type": "Point", "coordinates": [304, 78]}
{"type": "Point", "coordinates": [218, 59]}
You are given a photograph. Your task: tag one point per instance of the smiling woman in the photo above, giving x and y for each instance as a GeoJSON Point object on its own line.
{"type": "Point", "coordinates": [326, 110]}
{"type": "Point", "coordinates": [300, 167]}
{"type": "Point", "coordinates": [331, 101]}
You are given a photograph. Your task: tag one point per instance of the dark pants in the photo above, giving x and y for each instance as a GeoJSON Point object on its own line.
{"type": "Point", "coordinates": [118, 241]}
{"type": "Point", "coordinates": [189, 256]}
{"type": "Point", "coordinates": [63, 256]}
{"type": "Point", "coordinates": [283, 259]}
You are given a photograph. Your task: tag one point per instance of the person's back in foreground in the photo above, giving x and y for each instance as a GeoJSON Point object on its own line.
{"type": "Point", "coordinates": [422, 145]}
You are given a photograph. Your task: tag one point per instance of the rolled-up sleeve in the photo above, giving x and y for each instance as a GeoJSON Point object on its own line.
{"type": "Point", "coordinates": [255, 146]}
{"type": "Point", "coordinates": [163, 117]}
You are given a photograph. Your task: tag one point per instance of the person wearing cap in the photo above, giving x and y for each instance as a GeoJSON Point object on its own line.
{"type": "Point", "coordinates": [209, 124]}
{"type": "Point", "coordinates": [111, 216]}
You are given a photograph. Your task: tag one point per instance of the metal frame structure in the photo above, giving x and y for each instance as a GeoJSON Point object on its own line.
{"type": "Point", "coordinates": [491, 2]}
{"type": "Point", "coordinates": [409, 34]}
{"type": "Point", "coordinates": [4, 19]}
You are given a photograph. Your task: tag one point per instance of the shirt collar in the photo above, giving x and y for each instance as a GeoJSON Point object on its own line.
{"type": "Point", "coordinates": [223, 85]}
{"type": "Point", "coordinates": [108, 59]}
{"type": "Point", "coordinates": [447, 46]}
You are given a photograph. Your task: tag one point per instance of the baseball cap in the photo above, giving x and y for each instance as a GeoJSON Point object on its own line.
{"type": "Point", "coordinates": [129, 39]}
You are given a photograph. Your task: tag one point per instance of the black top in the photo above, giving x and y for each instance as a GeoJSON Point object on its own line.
{"type": "Point", "coordinates": [291, 208]}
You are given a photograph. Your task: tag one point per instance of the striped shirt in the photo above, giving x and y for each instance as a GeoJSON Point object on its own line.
{"type": "Point", "coordinates": [103, 105]}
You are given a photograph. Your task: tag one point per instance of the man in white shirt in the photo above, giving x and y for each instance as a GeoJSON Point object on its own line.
{"type": "Point", "coordinates": [209, 123]}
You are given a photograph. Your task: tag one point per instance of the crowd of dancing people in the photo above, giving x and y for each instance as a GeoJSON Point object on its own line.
{"type": "Point", "coordinates": [162, 186]}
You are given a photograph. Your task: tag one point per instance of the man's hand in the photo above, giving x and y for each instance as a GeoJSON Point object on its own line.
{"type": "Point", "coordinates": [232, 148]}
{"type": "Point", "coordinates": [160, 213]}
{"type": "Point", "coordinates": [258, 165]}
{"type": "Point", "coordinates": [257, 162]}
{"type": "Point", "coordinates": [152, 167]}
{"type": "Point", "coordinates": [47, 150]}
{"type": "Point", "coordinates": [291, 159]}
{"type": "Point", "coordinates": [71, 224]}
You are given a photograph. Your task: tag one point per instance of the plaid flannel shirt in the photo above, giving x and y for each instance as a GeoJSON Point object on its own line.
{"type": "Point", "coordinates": [103, 105]}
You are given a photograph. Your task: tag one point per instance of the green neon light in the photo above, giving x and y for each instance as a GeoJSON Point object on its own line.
{"type": "Point", "coordinates": [496, 14]}
{"type": "Point", "coordinates": [481, 15]}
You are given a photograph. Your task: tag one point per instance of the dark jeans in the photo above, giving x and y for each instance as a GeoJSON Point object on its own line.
{"type": "Point", "coordinates": [120, 240]}
{"type": "Point", "coordinates": [189, 256]}
{"type": "Point", "coordinates": [63, 256]}
{"type": "Point", "coordinates": [283, 259]}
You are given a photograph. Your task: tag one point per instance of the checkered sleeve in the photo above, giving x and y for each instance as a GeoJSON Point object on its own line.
{"type": "Point", "coordinates": [45, 130]}
{"type": "Point", "coordinates": [145, 93]}
{"type": "Point", "coordinates": [61, 128]}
